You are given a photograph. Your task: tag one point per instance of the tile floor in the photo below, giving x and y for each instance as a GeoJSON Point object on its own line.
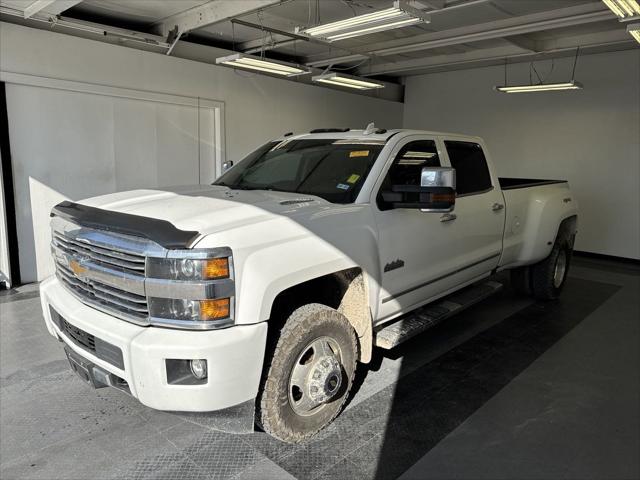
{"type": "Point", "coordinates": [509, 389]}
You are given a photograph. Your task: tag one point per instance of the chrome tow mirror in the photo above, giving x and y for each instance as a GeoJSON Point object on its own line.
{"type": "Point", "coordinates": [436, 192]}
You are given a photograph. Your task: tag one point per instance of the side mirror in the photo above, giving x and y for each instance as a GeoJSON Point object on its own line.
{"type": "Point", "coordinates": [436, 192]}
{"type": "Point", "coordinates": [227, 165]}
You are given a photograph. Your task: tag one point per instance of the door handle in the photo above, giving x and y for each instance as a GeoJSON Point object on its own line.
{"type": "Point", "coordinates": [496, 207]}
{"type": "Point", "coordinates": [448, 217]}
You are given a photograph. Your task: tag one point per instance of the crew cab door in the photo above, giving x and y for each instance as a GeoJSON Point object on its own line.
{"type": "Point", "coordinates": [415, 248]}
{"type": "Point", "coordinates": [477, 231]}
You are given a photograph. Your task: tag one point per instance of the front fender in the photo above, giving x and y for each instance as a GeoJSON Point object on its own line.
{"type": "Point", "coordinates": [269, 271]}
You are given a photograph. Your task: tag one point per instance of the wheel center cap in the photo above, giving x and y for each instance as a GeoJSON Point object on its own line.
{"type": "Point", "coordinates": [325, 379]}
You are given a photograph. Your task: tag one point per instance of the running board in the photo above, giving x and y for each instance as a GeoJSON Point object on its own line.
{"type": "Point", "coordinates": [424, 318]}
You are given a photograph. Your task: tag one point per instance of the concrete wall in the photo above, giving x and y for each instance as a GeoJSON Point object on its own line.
{"type": "Point", "coordinates": [257, 108]}
{"type": "Point", "coordinates": [589, 137]}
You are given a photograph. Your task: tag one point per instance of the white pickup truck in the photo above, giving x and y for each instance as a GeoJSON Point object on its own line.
{"type": "Point", "coordinates": [270, 285]}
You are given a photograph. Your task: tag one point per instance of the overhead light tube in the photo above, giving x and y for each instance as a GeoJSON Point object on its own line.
{"type": "Point", "coordinates": [545, 87]}
{"type": "Point", "coordinates": [348, 81]}
{"type": "Point", "coordinates": [634, 30]}
{"type": "Point", "coordinates": [400, 15]}
{"type": "Point", "coordinates": [624, 8]}
{"type": "Point", "coordinates": [248, 62]}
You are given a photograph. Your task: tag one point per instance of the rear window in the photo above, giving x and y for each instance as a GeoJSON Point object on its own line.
{"type": "Point", "coordinates": [472, 172]}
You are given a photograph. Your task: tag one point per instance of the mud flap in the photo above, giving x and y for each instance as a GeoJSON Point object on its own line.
{"type": "Point", "coordinates": [237, 419]}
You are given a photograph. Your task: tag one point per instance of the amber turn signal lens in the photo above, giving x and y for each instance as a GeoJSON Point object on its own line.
{"type": "Point", "coordinates": [214, 309]}
{"type": "Point", "coordinates": [215, 268]}
{"type": "Point", "coordinates": [443, 197]}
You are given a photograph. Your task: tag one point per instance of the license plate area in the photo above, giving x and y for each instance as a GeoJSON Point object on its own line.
{"type": "Point", "coordinates": [84, 369]}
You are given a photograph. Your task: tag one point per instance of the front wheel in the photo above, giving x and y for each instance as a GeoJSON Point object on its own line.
{"type": "Point", "coordinates": [310, 374]}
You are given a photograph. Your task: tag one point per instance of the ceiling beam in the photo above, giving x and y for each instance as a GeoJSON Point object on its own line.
{"type": "Point", "coordinates": [564, 17]}
{"type": "Point", "coordinates": [210, 13]}
{"type": "Point", "coordinates": [566, 46]}
{"type": "Point", "coordinates": [523, 43]}
{"type": "Point", "coordinates": [434, 4]}
{"type": "Point", "coordinates": [274, 40]}
{"type": "Point", "coordinates": [51, 7]}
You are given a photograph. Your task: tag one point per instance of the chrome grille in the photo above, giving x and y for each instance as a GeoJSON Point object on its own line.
{"type": "Point", "coordinates": [133, 264]}
{"type": "Point", "coordinates": [112, 300]}
{"type": "Point", "coordinates": [103, 270]}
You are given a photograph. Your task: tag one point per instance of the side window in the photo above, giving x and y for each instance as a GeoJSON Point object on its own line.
{"type": "Point", "coordinates": [407, 166]}
{"type": "Point", "coordinates": [472, 173]}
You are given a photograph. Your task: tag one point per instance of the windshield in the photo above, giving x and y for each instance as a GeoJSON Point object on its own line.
{"type": "Point", "coordinates": [332, 169]}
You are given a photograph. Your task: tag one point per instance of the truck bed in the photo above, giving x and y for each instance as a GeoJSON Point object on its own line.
{"type": "Point", "coordinates": [508, 183]}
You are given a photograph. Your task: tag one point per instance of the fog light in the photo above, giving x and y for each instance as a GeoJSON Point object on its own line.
{"type": "Point", "coordinates": [198, 368]}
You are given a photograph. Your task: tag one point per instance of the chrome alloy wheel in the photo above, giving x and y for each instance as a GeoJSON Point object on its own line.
{"type": "Point", "coordinates": [560, 269]}
{"type": "Point", "coordinates": [316, 376]}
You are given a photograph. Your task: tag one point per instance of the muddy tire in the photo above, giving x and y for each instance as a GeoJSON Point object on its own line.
{"type": "Point", "coordinates": [309, 374]}
{"type": "Point", "coordinates": [548, 276]}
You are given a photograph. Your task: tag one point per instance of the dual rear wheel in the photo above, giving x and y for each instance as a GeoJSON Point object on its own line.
{"type": "Point", "coordinates": [544, 280]}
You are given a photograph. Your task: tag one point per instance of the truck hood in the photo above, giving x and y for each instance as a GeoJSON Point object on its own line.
{"type": "Point", "coordinates": [210, 209]}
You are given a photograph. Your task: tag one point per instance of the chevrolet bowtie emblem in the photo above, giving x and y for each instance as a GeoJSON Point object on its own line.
{"type": "Point", "coordinates": [77, 268]}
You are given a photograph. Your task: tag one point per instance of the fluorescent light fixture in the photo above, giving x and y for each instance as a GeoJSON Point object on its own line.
{"type": "Point", "coordinates": [634, 30]}
{"type": "Point", "coordinates": [623, 8]}
{"type": "Point", "coordinates": [400, 15]}
{"type": "Point", "coordinates": [545, 87]}
{"type": "Point", "coordinates": [342, 80]}
{"type": "Point", "coordinates": [240, 60]}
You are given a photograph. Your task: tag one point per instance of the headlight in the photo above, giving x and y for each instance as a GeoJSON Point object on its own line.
{"type": "Point", "coordinates": [191, 289]}
{"type": "Point", "coordinates": [188, 268]}
{"type": "Point", "coordinates": [192, 310]}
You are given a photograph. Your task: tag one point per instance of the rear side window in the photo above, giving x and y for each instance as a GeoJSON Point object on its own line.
{"type": "Point", "coordinates": [472, 173]}
{"type": "Point", "coordinates": [407, 166]}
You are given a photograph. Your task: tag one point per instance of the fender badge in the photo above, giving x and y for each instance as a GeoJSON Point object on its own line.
{"type": "Point", "coordinates": [394, 265]}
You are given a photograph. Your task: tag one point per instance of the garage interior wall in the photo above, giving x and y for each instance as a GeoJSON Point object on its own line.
{"type": "Point", "coordinates": [257, 108]}
{"type": "Point", "coordinates": [590, 137]}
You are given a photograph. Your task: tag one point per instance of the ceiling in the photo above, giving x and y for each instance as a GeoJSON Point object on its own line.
{"type": "Point", "coordinates": [461, 33]}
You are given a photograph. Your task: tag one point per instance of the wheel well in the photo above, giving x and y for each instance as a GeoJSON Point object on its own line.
{"type": "Point", "coordinates": [567, 230]}
{"type": "Point", "coordinates": [344, 290]}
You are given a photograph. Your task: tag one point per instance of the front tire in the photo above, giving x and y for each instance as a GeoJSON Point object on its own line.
{"type": "Point", "coordinates": [309, 375]}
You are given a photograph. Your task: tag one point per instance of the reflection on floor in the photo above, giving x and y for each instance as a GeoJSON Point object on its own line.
{"type": "Point", "coordinates": [510, 389]}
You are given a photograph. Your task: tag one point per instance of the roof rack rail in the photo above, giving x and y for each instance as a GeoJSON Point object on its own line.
{"type": "Point", "coordinates": [329, 130]}
{"type": "Point", "coordinates": [288, 134]}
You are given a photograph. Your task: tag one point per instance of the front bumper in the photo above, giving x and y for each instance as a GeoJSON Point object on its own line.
{"type": "Point", "coordinates": [234, 355]}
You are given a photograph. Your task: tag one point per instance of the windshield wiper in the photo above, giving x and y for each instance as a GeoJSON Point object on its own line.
{"type": "Point", "coordinates": [251, 187]}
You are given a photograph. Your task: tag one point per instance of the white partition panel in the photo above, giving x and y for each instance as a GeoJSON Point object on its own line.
{"type": "Point", "coordinates": [72, 140]}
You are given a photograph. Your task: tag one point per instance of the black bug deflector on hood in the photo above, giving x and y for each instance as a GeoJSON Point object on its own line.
{"type": "Point", "coordinates": [160, 231]}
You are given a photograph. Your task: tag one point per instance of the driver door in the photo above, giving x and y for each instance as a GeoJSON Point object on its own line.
{"type": "Point", "coordinates": [416, 250]}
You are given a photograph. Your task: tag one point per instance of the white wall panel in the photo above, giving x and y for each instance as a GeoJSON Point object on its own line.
{"type": "Point", "coordinates": [73, 145]}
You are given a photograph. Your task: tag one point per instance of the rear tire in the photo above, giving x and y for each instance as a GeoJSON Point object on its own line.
{"type": "Point", "coordinates": [309, 375]}
{"type": "Point", "coordinates": [548, 276]}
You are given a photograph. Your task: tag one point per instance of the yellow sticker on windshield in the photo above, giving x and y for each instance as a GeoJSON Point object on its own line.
{"type": "Point", "coordinates": [359, 153]}
{"type": "Point", "coordinates": [353, 178]}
